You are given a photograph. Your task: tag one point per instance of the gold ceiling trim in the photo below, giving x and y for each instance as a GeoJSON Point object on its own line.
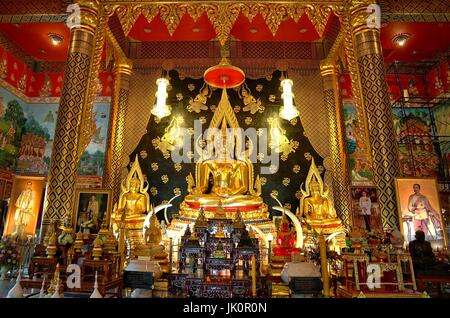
{"type": "Point", "coordinates": [223, 15]}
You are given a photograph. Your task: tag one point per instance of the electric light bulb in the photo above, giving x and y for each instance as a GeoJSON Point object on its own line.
{"type": "Point", "coordinates": [288, 111]}
{"type": "Point", "coordinates": [160, 109]}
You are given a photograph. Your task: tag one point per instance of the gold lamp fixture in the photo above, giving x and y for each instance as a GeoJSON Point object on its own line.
{"type": "Point", "coordinates": [161, 109]}
{"type": "Point", "coordinates": [288, 111]}
{"type": "Point", "coordinates": [401, 39]}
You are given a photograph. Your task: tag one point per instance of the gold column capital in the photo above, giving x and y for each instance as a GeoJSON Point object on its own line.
{"type": "Point", "coordinates": [123, 66]}
{"type": "Point", "coordinates": [361, 16]}
{"type": "Point", "coordinates": [328, 67]}
{"type": "Point", "coordinates": [88, 15]}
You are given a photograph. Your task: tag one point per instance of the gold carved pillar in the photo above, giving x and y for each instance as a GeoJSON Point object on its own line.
{"type": "Point", "coordinates": [338, 155]}
{"type": "Point", "coordinates": [375, 97]}
{"type": "Point", "coordinates": [116, 133]}
{"type": "Point", "coordinates": [75, 93]}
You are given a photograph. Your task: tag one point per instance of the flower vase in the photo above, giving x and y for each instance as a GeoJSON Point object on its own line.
{"type": "Point", "coordinates": [3, 272]}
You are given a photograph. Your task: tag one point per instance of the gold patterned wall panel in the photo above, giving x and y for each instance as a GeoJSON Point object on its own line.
{"type": "Point", "coordinates": [114, 155]}
{"type": "Point", "coordinates": [384, 148]}
{"type": "Point", "coordinates": [339, 170]}
{"type": "Point", "coordinates": [308, 93]}
{"type": "Point", "coordinates": [140, 103]}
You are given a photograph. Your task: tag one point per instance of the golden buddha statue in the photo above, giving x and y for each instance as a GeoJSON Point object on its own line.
{"type": "Point", "coordinates": [153, 233]}
{"type": "Point", "coordinates": [316, 208]}
{"type": "Point", "coordinates": [230, 178]}
{"type": "Point", "coordinates": [134, 203]}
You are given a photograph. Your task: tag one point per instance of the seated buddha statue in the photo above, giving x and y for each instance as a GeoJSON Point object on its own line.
{"type": "Point", "coordinates": [230, 182]}
{"type": "Point", "coordinates": [133, 205]}
{"type": "Point", "coordinates": [316, 208]}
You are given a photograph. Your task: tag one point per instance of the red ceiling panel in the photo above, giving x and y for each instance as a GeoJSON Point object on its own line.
{"type": "Point", "coordinates": [427, 39]}
{"type": "Point", "coordinates": [187, 30]}
{"type": "Point", "coordinates": [288, 31]}
{"type": "Point", "coordinates": [33, 39]}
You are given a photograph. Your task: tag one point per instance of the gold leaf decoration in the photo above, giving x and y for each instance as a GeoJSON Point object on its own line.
{"type": "Point", "coordinates": [164, 178]}
{"type": "Point", "coordinates": [263, 181]}
{"type": "Point", "coordinates": [274, 193]}
{"type": "Point", "coordinates": [298, 194]}
{"type": "Point", "coordinates": [223, 16]}
{"type": "Point", "coordinates": [128, 16]}
{"type": "Point", "coordinates": [296, 169]}
{"type": "Point", "coordinates": [286, 181]}
{"type": "Point", "coordinates": [177, 191]}
{"type": "Point", "coordinates": [248, 120]}
{"type": "Point", "coordinates": [273, 168]}
{"type": "Point", "coordinates": [287, 206]}
{"type": "Point", "coordinates": [319, 15]}
{"type": "Point", "coordinates": [154, 191]}
{"type": "Point", "coordinates": [155, 166]}
{"type": "Point", "coordinates": [178, 167]}
{"type": "Point", "coordinates": [307, 156]}
{"type": "Point", "coordinates": [171, 15]}
{"type": "Point", "coordinates": [143, 154]}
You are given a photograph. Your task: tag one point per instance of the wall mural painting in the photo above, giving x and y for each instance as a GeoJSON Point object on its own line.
{"type": "Point", "coordinates": [442, 120]}
{"type": "Point", "coordinates": [37, 139]}
{"type": "Point", "coordinates": [12, 120]}
{"type": "Point", "coordinates": [359, 165]}
{"type": "Point", "coordinates": [417, 154]}
{"type": "Point", "coordinates": [92, 160]}
{"type": "Point", "coordinates": [256, 104]}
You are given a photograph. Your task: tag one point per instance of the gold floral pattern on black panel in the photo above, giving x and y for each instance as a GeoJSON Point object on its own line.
{"type": "Point", "coordinates": [285, 176]}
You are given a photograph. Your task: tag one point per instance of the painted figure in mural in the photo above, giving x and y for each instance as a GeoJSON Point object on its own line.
{"type": "Point", "coordinates": [24, 209]}
{"type": "Point", "coordinates": [424, 214]}
{"type": "Point", "coordinates": [49, 118]}
{"type": "Point", "coordinates": [93, 210]}
{"type": "Point", "coordinates": [412, 89]}
{"type": "Point", "coordinates": [365, 204]}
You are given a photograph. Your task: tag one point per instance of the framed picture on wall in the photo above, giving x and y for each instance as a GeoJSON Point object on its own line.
{"type": "Point", "coordinates": [92, 207]}
{"type": "Point", "coordinates": [419, 209]}
{"type": "Point", "coordinates": [366, 214]}
{"type": "Point", "coordinates": [25, 208]}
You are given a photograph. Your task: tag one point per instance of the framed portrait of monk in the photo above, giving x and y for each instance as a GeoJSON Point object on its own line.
{"type": "Point", "coordinates": [92, 208]}
{"type": "Point", "coordinates": [366, 214]}
{"type": "Point", "coordinates": [419, 209]}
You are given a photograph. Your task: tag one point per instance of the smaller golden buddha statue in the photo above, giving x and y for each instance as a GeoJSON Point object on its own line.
{"type": "Point", "coordinates": [316, 208]}
{"type": "Point", "coordinates": [134, 203]}
{"type": "Point", "coordinates": [220, 233]}
{"type": "Point", "coordinates": [153, 233]}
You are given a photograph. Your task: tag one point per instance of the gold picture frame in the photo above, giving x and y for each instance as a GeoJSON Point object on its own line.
{"type": "Point", "coordinates": [420, 208]}
{"type": "Point", "coordinates": [20, 183]}
{"type": "Point", "coordinates": [91, 204]}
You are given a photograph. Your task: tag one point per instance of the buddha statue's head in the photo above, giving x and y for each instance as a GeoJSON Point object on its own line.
{"type": "Point", "coordinates": [134, 185]}
{"type": "Point", "coordinates": [314, 188]}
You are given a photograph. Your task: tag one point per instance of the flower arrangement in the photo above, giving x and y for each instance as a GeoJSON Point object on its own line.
{"type": "Point", "coordinates": [9, 253]}
{"type": "Point", "coordinates": [374, 237]}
